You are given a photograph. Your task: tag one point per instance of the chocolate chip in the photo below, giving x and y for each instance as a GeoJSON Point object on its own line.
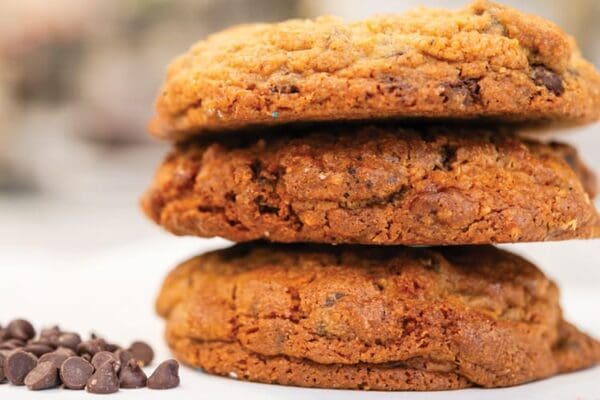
{"type": "Point", "coordinates": [12, 344]}
{"type": "Point", "coordinates": [52, 332]}
{"type": "Point", "coordinates": [474, 91]}
{"type": "Point", "coordinates": [142, 352]}
{"type": "Point", "coordinates": [333, 298]}
{"type": "Point", "coordinates": [230, 196]}
{"type": "Point", "coordinates": [447, 157]}
{"type": "Point", "coordinates": [124, 356]}
{"type": "Point", "coordinates": [2, 361]}
{"type": "Point", "coordinates": [285, 89]}
{"type": "Point", "coordinates": [75, 372]}
{"type": "Point", "coordinates": [466, 91]}
{"type": "Point", "coordinates": [66, 351]}
{"type": "Point", "coordinates": [264, 207]}
{"type": "Point", "coordinates": [165, 376]}
{"type": "Point", "coordinates": [320, 328]}
{"type": "Point", "coordinates": [69, 340]}
{"type": "Point", "coordinates": [52, 343]}
{"type": "Point", "coordinates": [542, 76]}
{"type": "Point", "coordinates": [91, 346]}
{"type": "Point", "coordinates": [104, 356]}
{"type": "Point", "coordinates": [104, 380]}
{"type": "Point", "coordinates": [18, 364]}
{"type": "Point", "coordinates": [57, 358]}
{"type": "Point", "coordinates": [102, 366]}
{"type": "Point", "coordinates": [256, 166]}
{"type": "Point", "coordinates": [43, 376]}
{"type": "Point", "coordinates": [50, 337]}
{"type": "Point", "coordinates": [132, 376]}
{"type": "Point", "coordinates": [38, 349]}
{"type": "Point", "coordinates": [112, 347]}
{"type": "Point", "coordinates": [394, 85]}
{"type": "Point", "coordinates": [20, 329]}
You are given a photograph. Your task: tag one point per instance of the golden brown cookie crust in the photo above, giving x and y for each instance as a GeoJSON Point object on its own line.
{"type": "Point", "coordinates": [486, 60]}
{"type": "Point", "coordinates": [375, 185]}
{"type": "Point", "coordinates": [389, 318]}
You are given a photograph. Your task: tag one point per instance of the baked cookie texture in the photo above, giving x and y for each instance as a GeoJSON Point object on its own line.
{"type": "Point", "coordinates": [376, 185]}
{"type": "Point", "coordinates": [362, 317]}
{"type": "Point", "coordinates": [486, 60]}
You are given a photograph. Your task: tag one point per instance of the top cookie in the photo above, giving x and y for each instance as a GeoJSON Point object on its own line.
{"type": "Point", "coordinates": [486, 60]}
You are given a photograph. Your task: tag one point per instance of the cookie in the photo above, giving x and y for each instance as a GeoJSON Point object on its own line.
{"type": "Point", "coordinates": [486, 60]}
{"type": "Point", "coordinates": [368, 317]}
{"type": "Point", "coordinates": [375, 185]}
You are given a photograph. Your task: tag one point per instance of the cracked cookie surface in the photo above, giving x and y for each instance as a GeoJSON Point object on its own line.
{"type": "Point", "coordinates": [387, 318]}
{"type": "Point", "coordinates": [486, 60]}
{"type": "Point", "coordinates": [376, 185]}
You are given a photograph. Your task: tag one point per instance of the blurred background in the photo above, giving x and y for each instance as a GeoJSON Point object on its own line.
{"type": "Point", "coordinates": [77, 84]}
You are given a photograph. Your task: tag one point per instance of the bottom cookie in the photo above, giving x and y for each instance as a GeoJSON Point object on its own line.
{"type": "Point", "coordinates": [360, 317]}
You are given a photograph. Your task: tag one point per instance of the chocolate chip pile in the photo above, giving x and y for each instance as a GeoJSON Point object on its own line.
{"type": "Point", "coordinates": [61, 358]}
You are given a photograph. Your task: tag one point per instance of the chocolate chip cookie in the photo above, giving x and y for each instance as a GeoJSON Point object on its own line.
{"type": "Point", "coordinates": [486, 60]}
{"type": "Point", "coordinates": [388, 318]}
{"type": "Point", "coordinates": [376, 185]}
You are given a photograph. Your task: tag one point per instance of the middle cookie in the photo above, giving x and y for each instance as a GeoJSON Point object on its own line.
{"type": "Point", "coordinates": [376, 185]}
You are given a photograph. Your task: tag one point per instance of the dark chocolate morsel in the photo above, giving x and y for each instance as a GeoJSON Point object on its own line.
{"type": "Point", "coordinates": [12, 344]}
{"type": "Point", "coordinates": [112, 347]}
{"type": "Point", "coordinates": [104, 380]}
{"type": "Point", "coordinates": [18, 364]}
{"type": "Point", "coordinates": [69, 340]}
{"type": "Point", "coordinates": [38, 349]}
{"type": "Point", "coordinates": [132, 376]}
{"type": "Point", "coordinates": [103, 356]}
{"type": "Point", "coordinates": [50, 332]}
{"type": "Point", "coordinates": [542, 76]}
{"type": "Point", "coordinates": [2, 361]}
{"type": "Point", "coordinates": [66, 351]}
{"type": "Point", "coordinates": [91, 346]}
{"type": "Point", "coordinates": [75, 372]}
{"type": "Point", "coordinates": [124, 356]}
{"type": "Point", "coordinates": [56, 358]}
{"type": "Point", "coordinates": [20, 329]}
{"type": "Point", "coordinates": [142, 352]}
{"type": "Point", "coordinates": [43, 376]}
{"type": "Point", "coordinates": [165, 376]}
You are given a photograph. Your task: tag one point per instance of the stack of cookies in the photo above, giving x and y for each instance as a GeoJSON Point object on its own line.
{"type": "Point", "coordinates": [328, 149]}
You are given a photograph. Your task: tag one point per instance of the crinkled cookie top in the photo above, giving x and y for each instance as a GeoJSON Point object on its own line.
{"type": "Point", "coordinates": [486, 60]}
